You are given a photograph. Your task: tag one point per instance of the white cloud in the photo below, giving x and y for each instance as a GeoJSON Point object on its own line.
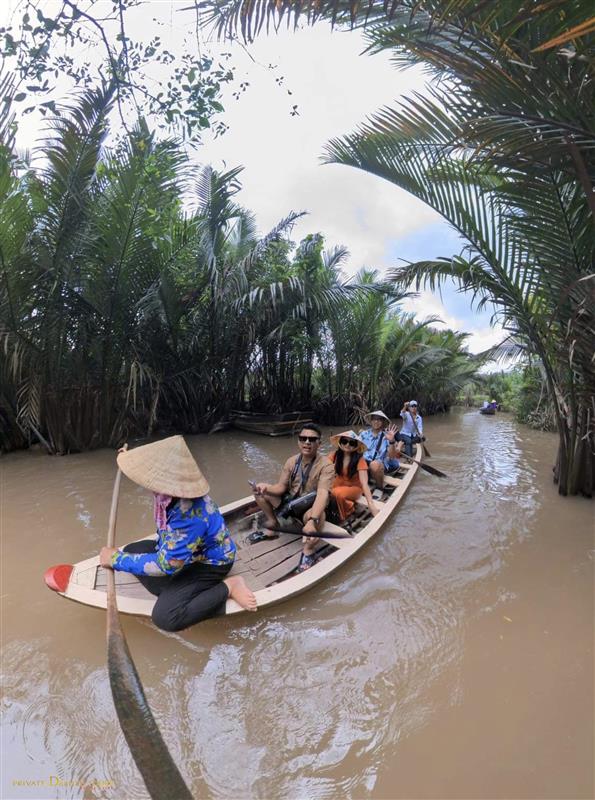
{"type": "Point", "coordinates": [335, 90]}
{"type": "Point", "coordinates": [482, 336]}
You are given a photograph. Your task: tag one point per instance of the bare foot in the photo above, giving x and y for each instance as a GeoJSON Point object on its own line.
{"type": "Point", "coordinates": [239, 591]}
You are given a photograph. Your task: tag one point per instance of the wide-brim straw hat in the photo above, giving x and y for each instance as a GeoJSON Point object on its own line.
{"type": "Point", "coordinates": [361, 447]}
{"type": "Point", "coordinates": [166, 467]}
{"type": "Point", "coordinates": [377, 413]}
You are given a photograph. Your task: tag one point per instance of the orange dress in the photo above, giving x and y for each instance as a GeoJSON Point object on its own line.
{"type": "Point", "coordinates": [347, 490]}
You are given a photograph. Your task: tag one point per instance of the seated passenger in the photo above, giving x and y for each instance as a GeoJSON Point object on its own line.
{"type": "Point", "coordinates": [302, 492]}
{"type": "Point", "coordinates": [351, 474]}
{"type": "Point", "coordinates": [187, 566]}
{"type": "Point", "coordinates": [382, 448]}
{"type": "Point", "coordinates": [412, 430]}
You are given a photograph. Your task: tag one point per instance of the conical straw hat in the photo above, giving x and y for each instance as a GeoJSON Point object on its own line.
{"type": "Point", "coordinates": [361, 447]}
{"type": "Point", "coordinates": [377, 413]}
{"type": "Point", "coordinates": [165, 467]}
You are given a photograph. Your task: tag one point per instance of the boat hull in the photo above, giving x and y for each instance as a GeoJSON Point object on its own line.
{"type": "Point", "coordinates": [272, 425]}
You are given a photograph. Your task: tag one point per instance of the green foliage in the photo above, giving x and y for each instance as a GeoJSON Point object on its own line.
{"type": "Point", "coordinates": [503, 148]}
{"type": "Point", "coordinates": [522, 390]}
{"type": "Point", "coordinates": [81, 45]}
{"type": "Point", "coordinates": [555, 23]}
{"type": "Point", "coordinates": [124, 310]}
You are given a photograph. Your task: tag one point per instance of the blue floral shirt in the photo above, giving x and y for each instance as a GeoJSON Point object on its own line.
{"type": "Point", "coordinates": [371, 442]}
{"type": "Point", "coordinates": [195, 535]}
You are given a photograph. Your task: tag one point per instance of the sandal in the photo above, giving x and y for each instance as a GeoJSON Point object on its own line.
{"type": "Point", "coordinates": [305, 563]}
{"type": "Point", "coordinates": [260, 536]}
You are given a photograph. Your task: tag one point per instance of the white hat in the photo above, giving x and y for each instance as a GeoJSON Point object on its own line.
{"type": "Point", "coordinates": [165, 467]}
{"type": "Point", "coordinates": [413, 402]}
{"type": "Point", "coordinates": [377, 413]}
{"type": "Point", "coordinates": [361, 446]}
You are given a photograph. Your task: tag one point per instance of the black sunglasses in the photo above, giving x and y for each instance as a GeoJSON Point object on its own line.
{"type": "Point", "coordinates": [349, 442]}
{"type": "Point", "coordinates": [309, 438]}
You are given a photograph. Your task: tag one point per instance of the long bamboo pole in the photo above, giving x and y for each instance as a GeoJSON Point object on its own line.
{"type": "Point", "coordinates": [155, 764]}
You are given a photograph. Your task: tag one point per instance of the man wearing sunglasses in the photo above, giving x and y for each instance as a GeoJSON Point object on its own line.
{"type": "Point", "coordinates": [302, 492]}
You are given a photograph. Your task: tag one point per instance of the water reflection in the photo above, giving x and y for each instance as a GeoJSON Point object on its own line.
{"type": "Point", "coordinates": [322, 696]}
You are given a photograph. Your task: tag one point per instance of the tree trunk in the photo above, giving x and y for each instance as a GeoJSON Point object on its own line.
{"type": "Point", "coordinates": [575, 464]}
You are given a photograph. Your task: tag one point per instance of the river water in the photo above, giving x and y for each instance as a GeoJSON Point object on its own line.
{"type": "Point", "coordinates": [452, 658]}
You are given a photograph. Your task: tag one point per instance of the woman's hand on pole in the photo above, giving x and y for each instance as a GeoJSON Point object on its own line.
{"type": "Point", "coordinates": [105, 556]}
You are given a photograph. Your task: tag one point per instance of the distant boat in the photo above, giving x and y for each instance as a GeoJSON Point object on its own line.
{"type": "Point", "coordinates": [283, 424]}
{"type": "Point", "coordinates": [488, 411]}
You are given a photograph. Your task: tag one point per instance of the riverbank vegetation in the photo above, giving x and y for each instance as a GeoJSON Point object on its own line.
{"type": "Point", "coordinates": [137, 296]}
{"type": "Point", "coordinates": [521, 391]}
{"type": "Point", "coordinates": [501, 144]}
{"type": "Point", "coordinates": [503, 147]}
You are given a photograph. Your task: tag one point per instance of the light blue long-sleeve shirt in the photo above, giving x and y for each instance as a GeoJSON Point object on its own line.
{"type": "Point", "coordinates": [409, 428]}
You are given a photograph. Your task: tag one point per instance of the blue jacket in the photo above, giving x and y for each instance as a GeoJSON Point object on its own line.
{"type": "Point", "coordinates": [196, 535]}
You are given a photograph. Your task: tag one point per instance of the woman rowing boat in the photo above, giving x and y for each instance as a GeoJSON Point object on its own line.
{"type": "Point", "coordinates": [188, 565]}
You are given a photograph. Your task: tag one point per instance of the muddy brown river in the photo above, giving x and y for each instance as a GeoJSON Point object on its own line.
{"type": "Point", "coordinates": [451, 658]}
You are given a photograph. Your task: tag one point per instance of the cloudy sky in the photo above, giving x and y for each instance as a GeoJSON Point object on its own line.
{"type": "Point", "coordinates": [335, 87]}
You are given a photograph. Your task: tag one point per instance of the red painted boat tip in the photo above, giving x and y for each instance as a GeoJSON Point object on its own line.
{"type": "Point", "coordinates": [57, 577]}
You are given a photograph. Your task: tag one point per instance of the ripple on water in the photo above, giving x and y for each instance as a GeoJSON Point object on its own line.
{"type": "Point", "coordinates": [72, 734]}
{"type": "Point", "coordinates": [310, 699]}
{"type": "Point", "coordinates": [306, 683]}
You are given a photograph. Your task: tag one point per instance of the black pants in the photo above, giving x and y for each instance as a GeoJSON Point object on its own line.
{"type": "Point", "coordinates": [195, 593]}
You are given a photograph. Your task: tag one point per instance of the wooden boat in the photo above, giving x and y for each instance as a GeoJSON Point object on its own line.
{"type": "Point", "coordinates": [267, 567]}
{"type": "Point", "coordinates": [272, 424]}
{"type": "Point", "coordinates": [283, 416]}
{"type": "Point", "coordinates": [488, 411]}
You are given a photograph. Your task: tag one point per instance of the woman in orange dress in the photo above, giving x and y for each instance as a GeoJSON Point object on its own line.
{"type": "Point", "coordinates": [351, 474]}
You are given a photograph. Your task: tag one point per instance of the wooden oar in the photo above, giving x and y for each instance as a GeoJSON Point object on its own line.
{"type": "Point", "coordinates": [427, 467]}
{"type": "Point", "coordinates": [159, 772]}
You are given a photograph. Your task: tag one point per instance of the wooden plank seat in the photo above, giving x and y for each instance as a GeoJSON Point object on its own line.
{"type": "Point", "coordinates": [362, 503]}
{"type": "Point", "coordinates": [266, 562]}
{"type": "Point", "coordinates": [287, 566]}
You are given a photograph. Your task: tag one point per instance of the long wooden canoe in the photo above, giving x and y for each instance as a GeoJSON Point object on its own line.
{"type": "Point", "coordinates": [283, 416]}
{"type": "Point", "coordinates": [269, 427]}
{"type": "Point", "coordinates": [271, 424]}
{"type": "Point", "coordinates": [267, 567]}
